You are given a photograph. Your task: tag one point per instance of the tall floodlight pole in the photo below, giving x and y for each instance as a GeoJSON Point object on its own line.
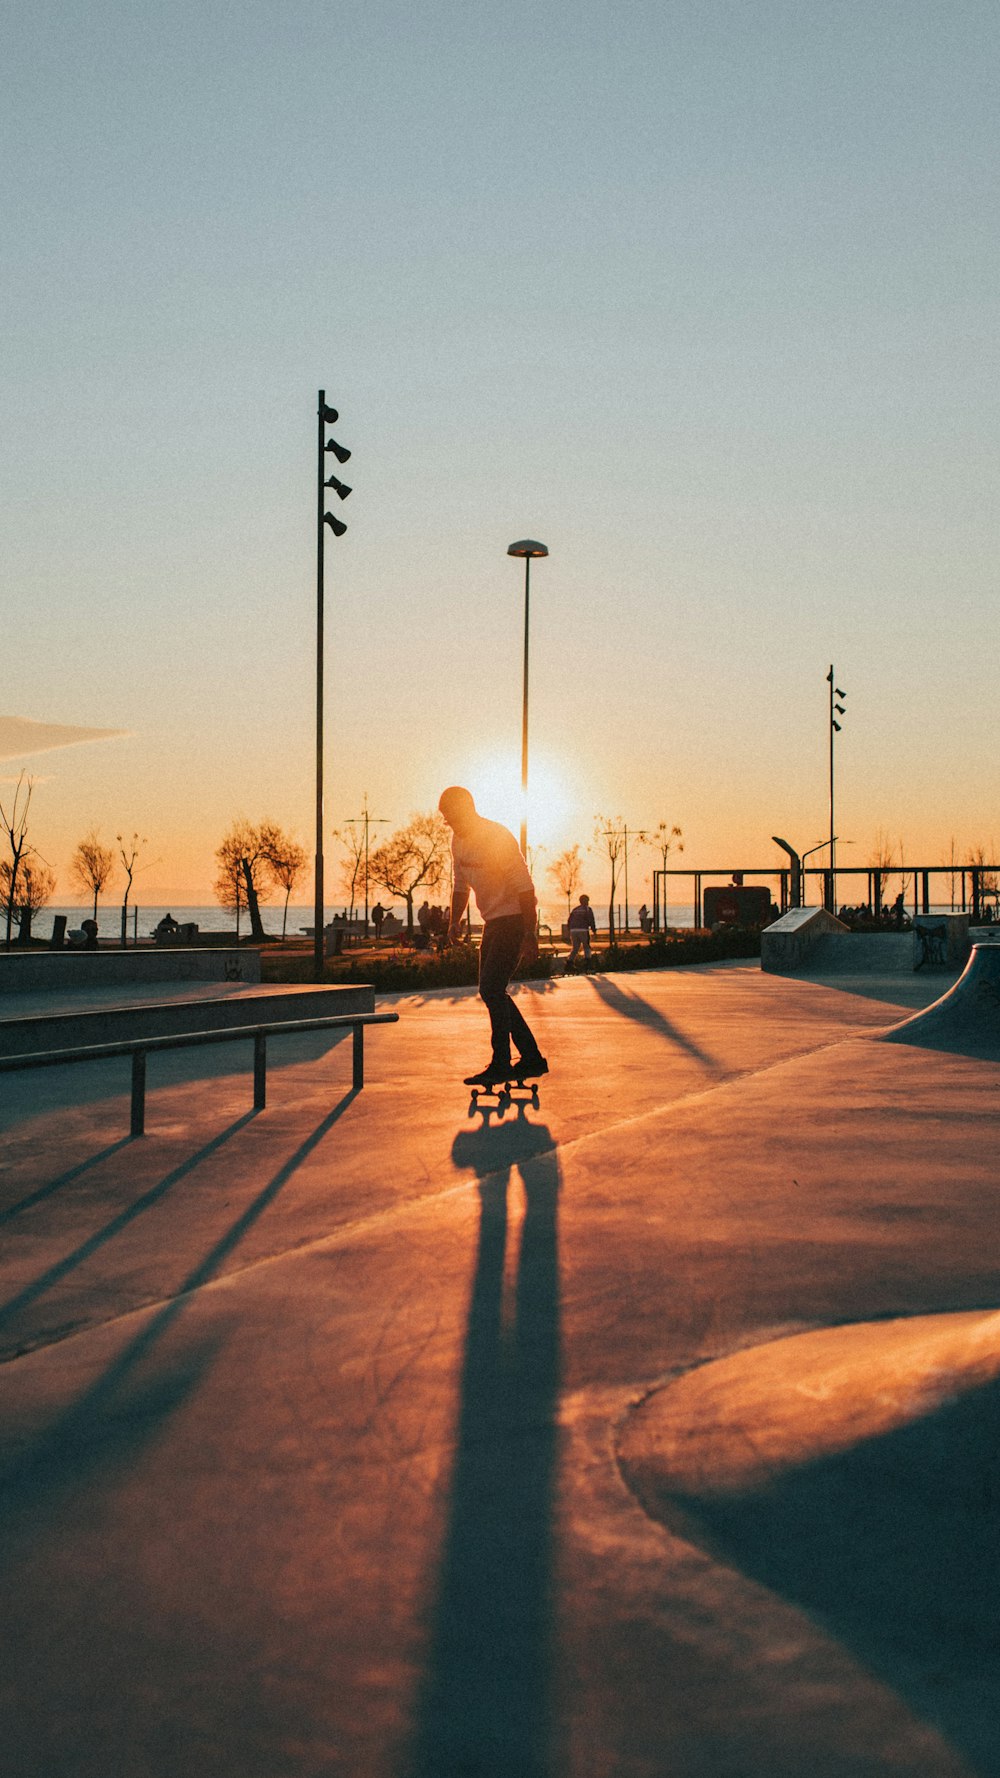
{"type": "Point", "coordinates": [526, 548]}
{"type": "Point", "coordinates": [327, 416]}
{"type": "Point", "coordinates": [835, 710]}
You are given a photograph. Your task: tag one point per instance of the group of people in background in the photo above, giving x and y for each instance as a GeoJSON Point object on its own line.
{"type": "Point", "coordinates": [862, 915]}
{"type": "Point", "coordinates": [433, 924]}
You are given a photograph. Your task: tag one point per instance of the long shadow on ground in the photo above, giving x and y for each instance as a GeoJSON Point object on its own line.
{"type": "Point", "coordinates": [484, 1706]}
{"type": "Point", "coordinates": [63, 1179]}
{"type": "Point", "coordinates": [632, 1006]}
{"type": "Point", "coordinates": [112, 1419]}
{"type": "Point", "coordinates": [54, 1273]}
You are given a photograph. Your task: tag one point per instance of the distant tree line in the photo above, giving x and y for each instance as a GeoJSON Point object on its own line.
{"type": "Point", "coordinates": [258, 862]}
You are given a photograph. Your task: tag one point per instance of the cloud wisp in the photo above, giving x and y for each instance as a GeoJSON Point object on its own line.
{"type": "Point", "coordinates": [19, 735]}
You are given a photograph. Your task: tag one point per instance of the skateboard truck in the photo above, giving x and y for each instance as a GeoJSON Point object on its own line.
{"type": "Point", "coordinates": [516, 1089]}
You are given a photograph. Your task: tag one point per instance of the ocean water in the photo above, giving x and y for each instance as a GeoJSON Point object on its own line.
{"type": "Point", "coordinates": [142, 920]}
{"type": "Point", "coordinates": [212, 918]}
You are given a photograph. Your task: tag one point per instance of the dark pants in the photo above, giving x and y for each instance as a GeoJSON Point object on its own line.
{"type": "Point", "coordinates": [498, 957]}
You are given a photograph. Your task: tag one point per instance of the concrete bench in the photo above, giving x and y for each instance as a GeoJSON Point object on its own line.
{"type": "Point", "coordinates": [139, 1047]}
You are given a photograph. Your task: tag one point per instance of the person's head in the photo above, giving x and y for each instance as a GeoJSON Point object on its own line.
{"type": "Point", "coordinates": [585, 901]}
{"type": "Point", "coordinates": [458, 808]}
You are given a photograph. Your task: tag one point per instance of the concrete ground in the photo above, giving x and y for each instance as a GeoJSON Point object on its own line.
{"type": "Point", "coordinates": [649, 1432]}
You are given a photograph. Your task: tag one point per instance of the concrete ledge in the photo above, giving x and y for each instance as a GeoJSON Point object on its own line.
{"type": "Point", "coordinates": [21, 972]}
{"type": "Point", "coordinates": [47, 1031]}
{"type": "Point", "coordinates": [786, 944]}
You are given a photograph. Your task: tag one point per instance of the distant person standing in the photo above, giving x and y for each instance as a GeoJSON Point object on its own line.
{"type": "Point", "coordinates": [487, 860]}
{"type": "Point", "coordinates": [378, 915]}
{"type": "Point", "coordinates": [581, 924]}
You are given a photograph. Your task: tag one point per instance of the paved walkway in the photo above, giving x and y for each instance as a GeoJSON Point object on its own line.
{"type": "Point", "coordinates": [340, 1439]}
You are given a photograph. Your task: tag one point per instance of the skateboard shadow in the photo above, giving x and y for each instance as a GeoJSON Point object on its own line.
{"type": "Point", "coordinates": [484, 1705]}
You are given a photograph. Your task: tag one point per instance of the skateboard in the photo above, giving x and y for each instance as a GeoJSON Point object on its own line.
{"type": "Point", "coordinates": [517, 1089]}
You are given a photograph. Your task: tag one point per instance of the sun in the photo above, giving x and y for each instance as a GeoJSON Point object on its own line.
{"type": "Point", "coordinates": [495, 781]}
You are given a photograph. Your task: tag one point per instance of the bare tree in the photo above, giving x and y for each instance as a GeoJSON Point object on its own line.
{"type": "Point", "coordinates": [245, 874]}
{"type": "Point", "coordinates": [14, 821]}
{"type": "Point", "coordinates": [286, 861]}
{"type": "Point", "coordinates": [980, 860]}
{"type": "Point", "coordinates": [416, 857]}
{"type": "Point", "coordinates": [666, 840]}
{"type": "Point", "coordinates": [882, 863]}
{"type": "Point", "coordinates": [610, 833]}
{"type": "Point", "coordinates": [533, 857]}
{"type": "Point", "coordinates": [352, 838]}
{"type": "Point", "coordinates": [92, 866]}
{"type": "Point", "coordinates": [34, 885]}
{"type": "Point", "coordinates": [566, 873]}
{"type": "Point", "coordinates": [128, 852]}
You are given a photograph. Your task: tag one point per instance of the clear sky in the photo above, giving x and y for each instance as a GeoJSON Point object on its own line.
{"type": "Point", "coordinates": [701, 293]}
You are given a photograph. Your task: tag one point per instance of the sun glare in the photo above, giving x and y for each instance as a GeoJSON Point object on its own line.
{"type": "Point", "coordinates": [495, 782]}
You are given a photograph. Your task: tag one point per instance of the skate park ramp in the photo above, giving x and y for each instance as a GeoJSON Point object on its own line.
{"type": "Point", "coordinates": [965, 1020]}
{"type": "Point", "coordinates": [814, 945]}
{"type": "Point", "coordinates": [876, 965]}
{"type": "Point", "coordinates": [853, 1470]}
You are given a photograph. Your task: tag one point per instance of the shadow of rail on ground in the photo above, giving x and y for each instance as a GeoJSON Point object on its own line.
{"type": "Point", "coordinates": [114, 1417]}
{"type": "Point", "coordinates": [64, 1179]}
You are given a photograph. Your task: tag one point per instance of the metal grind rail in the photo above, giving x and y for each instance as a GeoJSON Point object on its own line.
{"type": "Point", "coordinates": [139, 1047]}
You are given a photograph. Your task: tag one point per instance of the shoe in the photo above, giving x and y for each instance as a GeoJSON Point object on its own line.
{"type": "Point", "coordinates": [527, 1065]}
{"type": "Point", "coordinates": [490, 1076]}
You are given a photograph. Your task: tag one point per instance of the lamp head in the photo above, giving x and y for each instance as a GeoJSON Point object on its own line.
{"type": "Point", "coordinates": [340, 451]}
{"type": "Point", "coordinates": [330, 415]}
{"type": "Point", "coordinates": [527, 547]}
{"type": "Point", "coordinates": [336, 525]}
{"type": "Point", "coordinates": [340, 488]}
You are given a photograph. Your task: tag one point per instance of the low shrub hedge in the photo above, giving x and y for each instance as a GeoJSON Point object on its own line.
{"type": "Point", "coordinates": [403, 972]}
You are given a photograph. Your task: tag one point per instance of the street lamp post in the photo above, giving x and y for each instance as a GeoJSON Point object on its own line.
{"type": "Point", "coordinates": [327, 417]}
{"type": "Point", "coordinates": [526, 548]}
{"type": "Point", "coordinates": [835, 692]}
{"type": "Point", "coordinates": [640, 835]}
{"type": "Point", "coordinates": [829, 874]}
